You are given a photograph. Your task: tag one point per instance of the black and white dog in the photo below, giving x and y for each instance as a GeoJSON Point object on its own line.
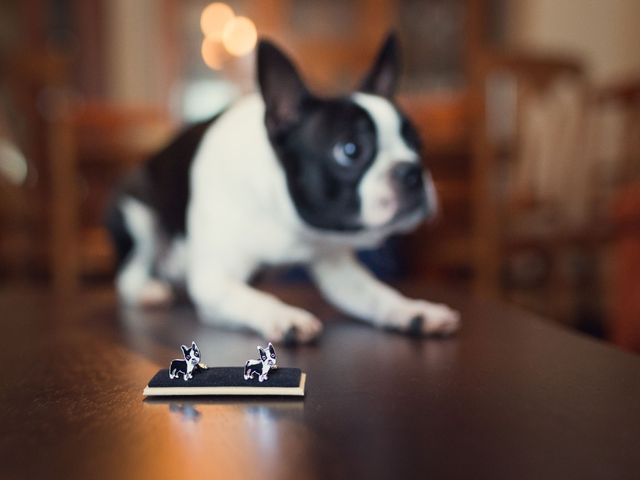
{"type": "Point", "coordinates": [282, 176]}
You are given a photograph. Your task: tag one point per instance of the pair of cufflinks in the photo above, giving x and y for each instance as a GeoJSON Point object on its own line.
{"type": "Point", "coordinates": [192, 363]}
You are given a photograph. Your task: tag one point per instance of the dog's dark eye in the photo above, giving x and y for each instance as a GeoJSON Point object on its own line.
{"type": "Point", "coordinates": [347, 153]}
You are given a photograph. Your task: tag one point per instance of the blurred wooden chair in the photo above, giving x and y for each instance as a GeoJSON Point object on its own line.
{"type": "Point", "coordinates": [530, 192]}
{"type": "Point", "coordinates": [76, 152]}
{"type": "Point", "coordinates": [14, 242]}
{"type": "Point", "coordinates": [95, 144]}
{"type": "Point", "coordinates": [618, 115]}
{"type": "Point", "coordinates": [28, 82]}
{"type": "Point", "coordinates": [624, 297]}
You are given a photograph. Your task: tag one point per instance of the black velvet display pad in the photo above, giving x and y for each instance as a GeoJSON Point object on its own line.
{"type": "Point", "coordinates": [228, 377]}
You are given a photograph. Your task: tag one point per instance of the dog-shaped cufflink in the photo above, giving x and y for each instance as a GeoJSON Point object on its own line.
{"type": "Point", "coordinates": [261, 366]}
{"type": "Point", "coordinates": [188, 365]}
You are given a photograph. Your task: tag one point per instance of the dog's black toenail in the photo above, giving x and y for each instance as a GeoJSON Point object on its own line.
{"type": "Point", "coordinates": [290, 338]}
{"type": "Point", "coordinates": [415, 326]}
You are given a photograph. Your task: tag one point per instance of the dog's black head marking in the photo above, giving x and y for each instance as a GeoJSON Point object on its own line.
{"type": "Point", "coordinates": [327, 146]}
{"type": "Point", "coordinates": [282, 88]}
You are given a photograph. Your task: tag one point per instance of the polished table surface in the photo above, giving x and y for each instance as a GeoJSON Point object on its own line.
{"type": "Point", "coordinates": [512, 396]}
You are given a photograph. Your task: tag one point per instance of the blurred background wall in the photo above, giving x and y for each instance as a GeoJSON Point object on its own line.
{"type": "Point", "coordinates": [529, 109]}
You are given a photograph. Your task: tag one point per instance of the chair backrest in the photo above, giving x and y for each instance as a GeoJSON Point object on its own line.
{"type": "Point", "coordinates": [110, 140]}
{"type": "Point", "coordinates": [616, 120]}
{"type": "Point", "coordinates": [528, 116]}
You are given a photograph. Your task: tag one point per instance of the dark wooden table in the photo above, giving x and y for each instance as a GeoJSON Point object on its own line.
{"type": "Point", "coordinates": [512, 397]}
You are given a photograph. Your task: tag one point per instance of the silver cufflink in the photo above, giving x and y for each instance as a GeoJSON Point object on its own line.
{"type": "Point", "coordinates": [188, 365]}
{"type": "Point", "coordinates": [262, 365]}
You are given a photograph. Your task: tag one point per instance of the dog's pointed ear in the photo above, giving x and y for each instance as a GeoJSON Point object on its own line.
{"type": "Point", "coordinates": [271, 349]}
{"type": "Point", "coordinates": [185, 350]}
{"type": "Point", "coordinates": [263, 354]}
{"type": "Point", "coordinates": [281, 87]}
{"type": "Point", "coordinates": [382, 78]}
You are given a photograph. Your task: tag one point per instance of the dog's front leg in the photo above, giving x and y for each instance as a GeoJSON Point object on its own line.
{"type": "Point", "coordinates": [228, 300]}
{"type": "Point", "coordinates": [353, 289]}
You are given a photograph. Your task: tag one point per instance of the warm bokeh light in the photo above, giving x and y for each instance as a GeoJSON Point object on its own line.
{"type": "Point", "coordinates": [13, 165]}
{"type": "Point", "coordinates": [213, 53]}
{"type": "Point", "coordinates": [239, 36]}
{"type": "Point", "coordinates": [214, 18]}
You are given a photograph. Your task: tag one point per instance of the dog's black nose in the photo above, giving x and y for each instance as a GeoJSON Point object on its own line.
{"type": "Point", "coordinates": [408, 175]}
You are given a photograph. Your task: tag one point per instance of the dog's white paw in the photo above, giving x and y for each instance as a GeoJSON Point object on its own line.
{"type": "Point", "coordinates": [153, 294]}
{"type": "Point", "coordinates": [419, 317]}
{"type": "Point", "coordinates": [286, 324]}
